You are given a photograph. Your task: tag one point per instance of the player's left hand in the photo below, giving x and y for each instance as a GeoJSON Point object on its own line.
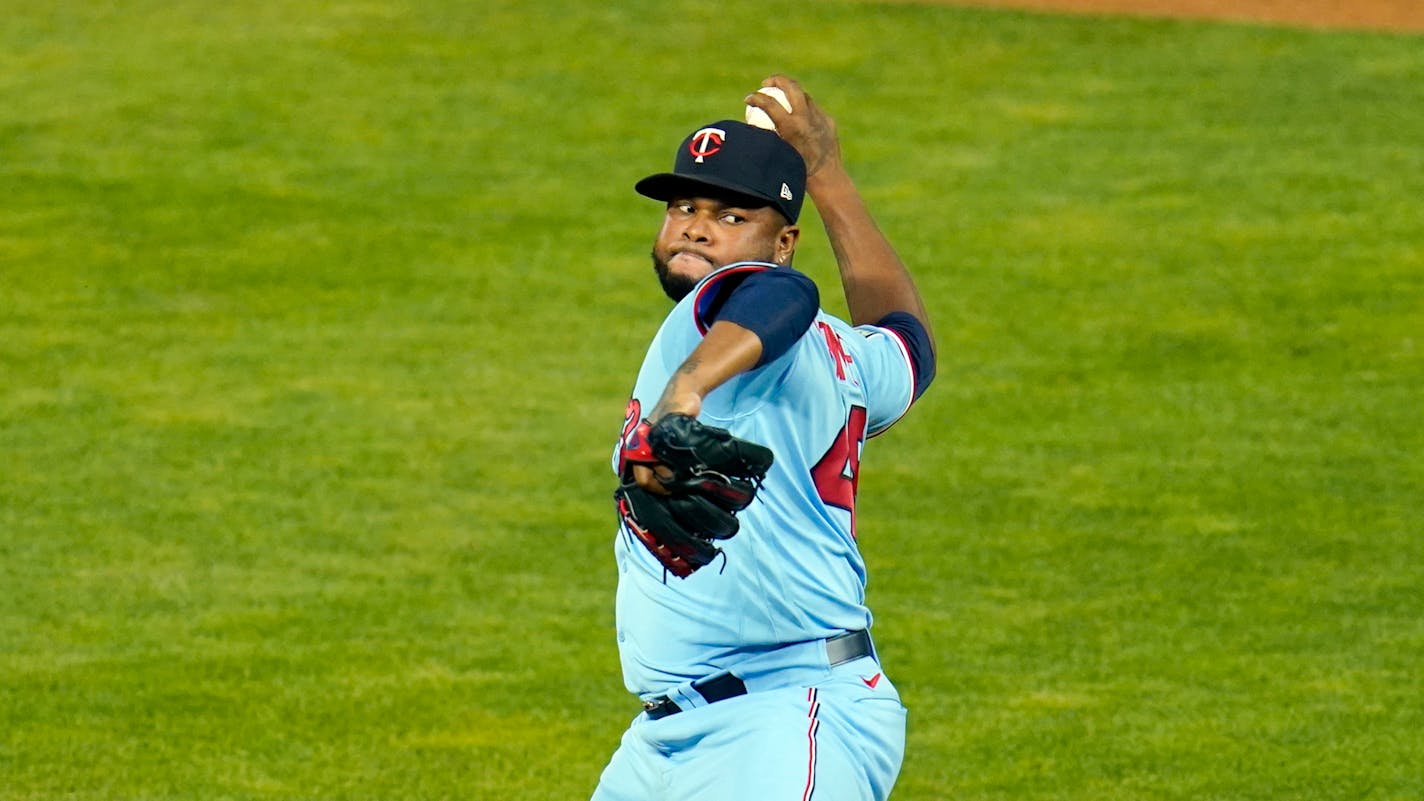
{"type": "Point", "coordinates": [650, 474]}
{"type": "Point", "coordinates": [704, 476]}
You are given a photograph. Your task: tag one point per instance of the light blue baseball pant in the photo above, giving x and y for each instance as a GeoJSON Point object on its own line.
{"type": "Point", "coordinates": [839, 739]}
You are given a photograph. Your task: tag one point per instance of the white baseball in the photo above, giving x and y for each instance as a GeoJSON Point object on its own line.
{"type": "Point", "coordinates": [759, 118]}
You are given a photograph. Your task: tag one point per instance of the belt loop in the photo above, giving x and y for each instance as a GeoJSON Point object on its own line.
{"type": "Point", "coordinates": [685, 697]}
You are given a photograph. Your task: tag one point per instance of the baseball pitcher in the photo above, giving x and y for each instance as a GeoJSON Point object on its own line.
{"type": "Point", "coordinates": [741, 616]}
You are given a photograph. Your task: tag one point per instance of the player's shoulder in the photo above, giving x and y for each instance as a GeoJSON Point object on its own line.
{"type": "Point", "coordinates": [691, 317]}
{"type": "Point", "coordinates": [714, 290]}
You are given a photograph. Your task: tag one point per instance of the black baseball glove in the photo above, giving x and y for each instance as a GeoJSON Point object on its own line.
{"type": "Point", "coordinates": [714, 476]}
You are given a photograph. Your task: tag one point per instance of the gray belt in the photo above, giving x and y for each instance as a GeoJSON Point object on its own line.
{"type": "Point", "coordinates": [840, 649]}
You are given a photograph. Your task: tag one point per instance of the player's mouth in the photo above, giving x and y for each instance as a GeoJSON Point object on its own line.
{"type": "Point", "coordinates": [690, 260]}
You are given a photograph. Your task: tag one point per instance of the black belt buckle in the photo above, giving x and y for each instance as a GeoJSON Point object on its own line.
{"type": "Point", "coordinates": [660, 707]}
{"type": "Point", "coordinates": [717, 688]}
{"type": "Point", "coordinates": [848, 647]}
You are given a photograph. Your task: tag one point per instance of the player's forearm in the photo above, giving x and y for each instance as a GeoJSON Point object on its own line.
{"type": "Point", "coordinates": [726, 351]}
{"type": "Point", "coordinates": [875, 281]}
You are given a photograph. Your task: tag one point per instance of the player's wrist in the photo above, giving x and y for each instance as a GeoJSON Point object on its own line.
{"type": "Point", "coordinates": [677, 400]}
{"type": "Point", "coordinates": [829, 180]}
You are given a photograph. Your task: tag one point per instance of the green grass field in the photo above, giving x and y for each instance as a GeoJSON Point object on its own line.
{"type": "Point", "coordinates": [317, 321]}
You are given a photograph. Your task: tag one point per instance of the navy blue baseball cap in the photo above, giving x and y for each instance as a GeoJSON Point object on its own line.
{"type": "Point", "coordinates": [734, 158]}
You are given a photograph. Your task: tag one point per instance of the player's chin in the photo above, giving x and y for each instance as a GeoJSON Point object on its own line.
{"type": "Point", "coordinates": [677, 282]}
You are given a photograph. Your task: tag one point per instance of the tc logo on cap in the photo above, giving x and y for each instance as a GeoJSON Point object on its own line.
{"type": "Point", "coordinates": [706, 142]}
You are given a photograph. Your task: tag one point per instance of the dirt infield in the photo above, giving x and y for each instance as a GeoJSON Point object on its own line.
{"type": "Point", "coordinates": [1399, 15]}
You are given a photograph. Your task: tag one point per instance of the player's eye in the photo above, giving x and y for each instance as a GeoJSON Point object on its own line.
{"type": "Point", "coordinates": [732, 218]}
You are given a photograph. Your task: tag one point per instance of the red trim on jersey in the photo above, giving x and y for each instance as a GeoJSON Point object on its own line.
{"type": "Point", "coordinates": [811, 741]}
{"type": "Point", "coordinates": [703, 299]}
{"type": "Point", "coordinates": [905, 346]}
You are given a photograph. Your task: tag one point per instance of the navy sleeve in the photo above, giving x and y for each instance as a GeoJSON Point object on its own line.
{"type": "Point", "coordinates": [777, 305]}
{"type": "Point", "coordinates": [917, 342]}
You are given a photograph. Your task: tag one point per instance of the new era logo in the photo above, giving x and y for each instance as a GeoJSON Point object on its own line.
{"type": "Point", "coordinates": [786, 192]}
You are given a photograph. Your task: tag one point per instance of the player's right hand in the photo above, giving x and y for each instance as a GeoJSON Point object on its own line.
{"type": "Point", "coordinates": [805, 127]}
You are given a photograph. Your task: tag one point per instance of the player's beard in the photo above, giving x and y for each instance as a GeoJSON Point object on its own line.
{"type": "Point", "coordinates": [676, 285]}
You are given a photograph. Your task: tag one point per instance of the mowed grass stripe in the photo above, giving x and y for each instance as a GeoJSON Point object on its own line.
{"type": "Point", "coordinates": [316, 325]}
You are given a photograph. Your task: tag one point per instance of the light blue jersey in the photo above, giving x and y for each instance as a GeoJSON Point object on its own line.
{"type": "Point", "coordinates": [794, 572]}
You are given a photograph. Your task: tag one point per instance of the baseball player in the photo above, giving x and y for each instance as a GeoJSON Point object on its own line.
{"type": "Point", "coordinates": [741, 618]}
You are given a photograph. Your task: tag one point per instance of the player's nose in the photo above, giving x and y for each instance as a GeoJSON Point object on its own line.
{"type": "Point", "coordinates": [697, 229]}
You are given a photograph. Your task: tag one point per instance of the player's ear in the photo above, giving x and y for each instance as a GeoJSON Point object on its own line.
{"type": "Point", "coordinates": [786, 243]}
